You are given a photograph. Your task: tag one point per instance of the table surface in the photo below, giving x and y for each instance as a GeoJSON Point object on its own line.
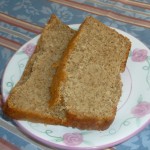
{"type": "Point", "coordinates": [21, 20]}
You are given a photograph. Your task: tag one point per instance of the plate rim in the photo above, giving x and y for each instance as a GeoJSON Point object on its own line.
{"type": "Point", "coordinates": [53, 144]}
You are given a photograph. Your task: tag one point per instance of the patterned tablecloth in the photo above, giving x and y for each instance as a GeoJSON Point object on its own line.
{"type": "Point", "coordinates": [21, 20]}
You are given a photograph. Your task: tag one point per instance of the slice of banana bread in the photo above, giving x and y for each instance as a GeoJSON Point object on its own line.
{"type": "Point", "coordinates": [28, 100]}
{"type": "Point", "coordinates": [88, 79]}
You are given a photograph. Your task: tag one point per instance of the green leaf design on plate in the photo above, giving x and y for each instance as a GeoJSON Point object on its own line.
{"type": "Point", "coordinates": [147, 68]}
{"type": "Point", "coordinates": [59, 139]}
{"type": "Point", "coordinates": [10, 84]}
{"type": "Point", "coordinates": [139, 100]}
{"type": "Point", "coordinates": [127, 121]}
{"type": "Point", "coordinates": [20, 53]}
{"type": "Point", "coordinates": [6, 92]}
{"type": "Point", "coordinates": [87, 142]}
{"type": "Point", "coordinates": [138, 121]}
{"type": "Point", "coordinates": [85, 133]}
{"type": "Point", "coordinates": [56, 138]}
{"type": "Point", "coordinates": [47, 132]}
{"type": "Point", "coordinates": [112, 131]}
{"type": "Point", "coordinates": [35, 127]}
{"type": "Point", "coordinates": [21, 64]}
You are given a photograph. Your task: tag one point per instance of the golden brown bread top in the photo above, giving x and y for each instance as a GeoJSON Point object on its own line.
{"type": "Point", "coordinates": [29, 98]}
{"type": "Point", "coordinates": [88, 78]}
{"type": "Point", "coordinates": [33, 105]}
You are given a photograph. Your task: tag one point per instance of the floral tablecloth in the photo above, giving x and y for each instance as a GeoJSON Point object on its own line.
{"type": "Point", "coordinates": [21, 20]}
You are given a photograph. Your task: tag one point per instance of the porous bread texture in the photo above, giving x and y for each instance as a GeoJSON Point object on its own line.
{"type": "Point", "coordinates": [29, 99]}
{"type": "Point", "coordinates": [40, 47]}
{"type": "Point", "coordinates": [36, 109]}
{"type": "Point", "coordinates": [88, 80]}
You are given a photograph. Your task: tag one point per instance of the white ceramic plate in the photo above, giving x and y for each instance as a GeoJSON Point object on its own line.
{"type": "Point", "coordinates": [133, 110]}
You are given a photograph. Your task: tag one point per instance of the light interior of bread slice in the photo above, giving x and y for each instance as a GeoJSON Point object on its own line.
{"type": "Point", "coordinates": [33, 94]}
{"type": "Point", "coordinates": [92, 87]}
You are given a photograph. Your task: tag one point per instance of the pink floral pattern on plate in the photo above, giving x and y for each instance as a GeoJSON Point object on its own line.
{"type": "Point", "coordinates": [72, 139]}
{"type": "Point", "coordinates": [29, 49]}
{"type": "Point", "coordinates": [141, 109]}
{"type": "Point", "coordinates": [139, 55]}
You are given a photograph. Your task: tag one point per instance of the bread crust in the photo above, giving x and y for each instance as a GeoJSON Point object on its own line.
{"type": "Point", "coordinates": [90, 123]}
{"type": "Point", "coordinates": [124, 62]}
{"type": "Point", "coordinates": [72, 119]}
{"type": "Point", "coordinates": [123, 65]}
{"type": "Point", "coordinates": [21, 114]}
{"type": "Point", "coordinates": [28, 69]}
{"type": "Point", "coordinates": [60, 77]}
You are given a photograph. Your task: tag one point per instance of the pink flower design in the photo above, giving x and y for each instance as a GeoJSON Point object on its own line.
{"type": "Point", "coordinates": [139, 55]}
{"type": "Point", "coordinates": [29, 49]}
{"type": "Point", "coordinates": [141, 109]}
{"type": "Point", "coordinates": [72, 139]}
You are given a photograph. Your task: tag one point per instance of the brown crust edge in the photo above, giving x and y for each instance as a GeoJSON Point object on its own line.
{"type": "Point", "coordinates": [19, 114]}
{"type": "Point", "coordinates": [123, 65]}
{"type": "Point", "coordinates": [72, 119]}
{"type": "Point", "coordinates": [28, 69]}
{"type": "Point", "coordinates": [60, 75]}
{"type": "Point", "coordinates": [90, 123]}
